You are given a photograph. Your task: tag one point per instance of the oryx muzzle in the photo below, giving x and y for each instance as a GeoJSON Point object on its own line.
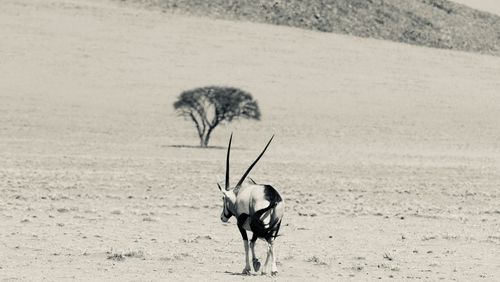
{"type": "Point", "coordinates": [258, 208]}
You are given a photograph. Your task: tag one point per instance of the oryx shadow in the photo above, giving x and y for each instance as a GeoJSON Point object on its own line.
{"type": "Point", "coordinates": [241, 274]}
{"type": "Point", "coordinates": [195, 147]}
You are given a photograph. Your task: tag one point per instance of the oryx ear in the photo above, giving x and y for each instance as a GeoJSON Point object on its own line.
{"type": "Point", "coordinates": [222, 190]}
{"type": "Point", "coordinates": [252, 181]}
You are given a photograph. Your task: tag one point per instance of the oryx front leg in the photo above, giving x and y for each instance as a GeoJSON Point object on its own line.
{"type": "Point", "coordinates": [247, 268]}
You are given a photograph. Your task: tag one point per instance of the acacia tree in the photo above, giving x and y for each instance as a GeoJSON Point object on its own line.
{"type": "Point", "coordinates": [210, 106]}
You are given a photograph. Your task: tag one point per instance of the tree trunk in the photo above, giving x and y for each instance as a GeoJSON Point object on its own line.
{"type": "Point", "coordinates": [205, 137]}
{"type": "Point", "coordinates": [204, 140]}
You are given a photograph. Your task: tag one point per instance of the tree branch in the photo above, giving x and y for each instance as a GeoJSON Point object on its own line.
{"type": "Point", "coordinates": [200, 132]}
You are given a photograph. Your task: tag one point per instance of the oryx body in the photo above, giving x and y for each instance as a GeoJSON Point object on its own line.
{"type": "Point", "coordinates": [258, 208]}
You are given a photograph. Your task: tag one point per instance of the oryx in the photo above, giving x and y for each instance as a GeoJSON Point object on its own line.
{"type": "Point", "coordinates": [258, 208]}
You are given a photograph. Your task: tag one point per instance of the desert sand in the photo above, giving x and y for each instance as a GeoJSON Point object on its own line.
{"type": "Point", "coordinates": [387, 155]}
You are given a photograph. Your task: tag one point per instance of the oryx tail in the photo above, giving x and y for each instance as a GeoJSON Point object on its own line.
{"type": "Point", "coordinates": [258, 227]}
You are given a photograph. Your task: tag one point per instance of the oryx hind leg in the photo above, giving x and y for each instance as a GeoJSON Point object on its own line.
{"type": "Point", "coordinates": [274, 268]}
{"type": "Point", "coordinates": [268, 255]}
{"type": "Point", "coordinates": [256, 263]}
{"type": "Point", "coordinates": [271, 254]}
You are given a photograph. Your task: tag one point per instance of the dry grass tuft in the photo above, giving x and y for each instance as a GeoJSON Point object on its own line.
{"type": "Point", "coordinates": [388, 257]}
{"type": "Point", "coordinates": [134, 254]}
{"type": "Point", "coordinates": [316, 260]}
{"type": "Point", "coordinates": [116, 257]}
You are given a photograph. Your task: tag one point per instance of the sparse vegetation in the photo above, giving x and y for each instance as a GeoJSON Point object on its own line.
{"type": "Point", "coordinates": [316, 260]}
{"type": "Point", "coordinates": [432, 23]}
{"type": "Point", "coordinates": [116, 257]}
{"type": "Point", "coordinates": [120, 256]}
{"type": "Point", "coordinates": [134, 254]}
{"type": "Point", "coordinates": [388, 257]}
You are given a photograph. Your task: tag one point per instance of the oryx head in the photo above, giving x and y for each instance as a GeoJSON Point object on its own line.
{"type": "Point", "coordinates": [229, 194]}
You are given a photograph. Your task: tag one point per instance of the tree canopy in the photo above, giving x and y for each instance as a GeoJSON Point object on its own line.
{"type": "Point", "coordinates": [210, 106]}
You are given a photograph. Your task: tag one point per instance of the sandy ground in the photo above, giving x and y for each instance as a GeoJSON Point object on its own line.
{"type": "Point", "coordinates": [388, 155]}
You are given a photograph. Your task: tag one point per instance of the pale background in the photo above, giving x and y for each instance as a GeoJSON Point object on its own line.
{"type": "Point", "coordinates": [387, 155]}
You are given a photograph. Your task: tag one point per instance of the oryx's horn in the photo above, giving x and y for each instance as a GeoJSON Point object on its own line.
{"type": "Point", "coordinates": [253, 164]}
{"type": "Point", "coordinates": [220, 188]}
{"type": "Point", "coordinates": [227, 162]}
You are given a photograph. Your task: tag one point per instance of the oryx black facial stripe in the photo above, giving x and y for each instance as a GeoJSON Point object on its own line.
{"type": "Point", "coordinates": [228, 214]}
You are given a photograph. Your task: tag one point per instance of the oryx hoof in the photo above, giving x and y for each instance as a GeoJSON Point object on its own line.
{"type": "Point", "coordinates": [274, 273]}
{"type": "Point", "coordinates": [256, 264]}
{"type": "Point", "coordinates": [246, 271]}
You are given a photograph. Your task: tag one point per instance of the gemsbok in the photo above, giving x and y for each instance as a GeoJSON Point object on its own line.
{"type": "Point", "coordinates": [258, 208]}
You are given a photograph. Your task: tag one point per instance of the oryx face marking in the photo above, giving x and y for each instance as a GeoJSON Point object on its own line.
{"type": "Point", "coordinates": [227, 202]}
{"type": "Point", "coordinates": [226, 213]}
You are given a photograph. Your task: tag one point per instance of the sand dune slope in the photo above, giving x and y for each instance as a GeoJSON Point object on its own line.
{"type": "Point", "coordinates": [388, 155]}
